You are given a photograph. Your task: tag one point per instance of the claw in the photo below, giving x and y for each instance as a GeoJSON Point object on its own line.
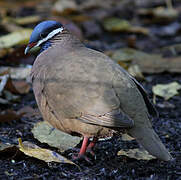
{"type": "Point", "coordinates": [89, 150]}
{"type": "Point", "coordinates": [91, 146]}
{"type": "Point", "coordinates": [80, 157]}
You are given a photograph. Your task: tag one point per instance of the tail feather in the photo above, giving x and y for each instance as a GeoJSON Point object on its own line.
{"type": "Point", "coordinates": [151, 142]}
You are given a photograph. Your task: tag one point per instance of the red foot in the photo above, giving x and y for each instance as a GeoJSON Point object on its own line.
{"type": "Point", "coordinates": [91, 146]}
{"type": "Point", "coordinates": [86, 148]}
{"type": "Point", "coordinates": [79, 157]}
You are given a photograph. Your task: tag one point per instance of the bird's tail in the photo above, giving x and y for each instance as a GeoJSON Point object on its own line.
{"type": "Point", "coordinates": [151, 142]}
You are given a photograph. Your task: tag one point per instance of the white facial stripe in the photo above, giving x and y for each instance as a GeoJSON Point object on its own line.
{"type": "Point", "coordinates": [50, 35]}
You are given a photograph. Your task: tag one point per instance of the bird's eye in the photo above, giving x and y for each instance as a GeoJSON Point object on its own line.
{"type": "Point", "coordinates": [43, 35]}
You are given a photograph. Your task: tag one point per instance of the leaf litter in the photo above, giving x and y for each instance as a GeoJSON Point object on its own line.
{"type": "Point", "coordinates": [41, 153]}
{"type": "Point", "coordinates": [45, 133]}
{"type": "Point", "coordinates": [166, 91]}
{"type": "Point", "coordinates": [138, 154]}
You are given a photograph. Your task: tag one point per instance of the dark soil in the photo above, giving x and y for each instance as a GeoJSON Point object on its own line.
{"type": "Point", "coordinates": [106, 165]}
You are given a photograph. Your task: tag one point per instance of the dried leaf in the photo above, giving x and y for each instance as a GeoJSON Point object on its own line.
{"type": "Point", "coordinates": [3, 81]}
{"type": "Point", "coordinates": [148, 63]}
{"type": "Point", "coordinates": [15, 38]}
{"type": "Point", "coordinates": [121, 25]}
{"type": "Point", "coordinates": [9, 25]}
{"type": "Point", "coordinates": [29, 112]}
{"type": "Point", "coordinates": [160, 14]}
{"type": "Point", "coordinates": [4, 52]}
{"type": "Point", "coordinates": [80, 18]}
{"type": "Point", "coordinates": [166, 13]}
{"type": "Point", "coordinates": [45, 133]}
{"type": "Point", "coordinates": [18, 87]}
{"type": "Point", "coordinates": [17, 72]}
{"type": "Point", "coordinates": [9, 115]}
{"type": "Point", "coordinates": [166, 90]}
{"type": "Point", "coordinates": [4, 101]}
{"type": "Point", "coordinates": [138, 154]}
{"type": "Point", "coordinates": [26, 20]}
{"type": "Point", "coordinates": [116, 24]}
{"type": "Point", "coordinates": [10, 97]}
{"type": "Point", "coordinates": [46, 155]}
{"type": "Point", "coordinates": [135, 71]}
{"type": "Point", "coordinates": [126, 137]}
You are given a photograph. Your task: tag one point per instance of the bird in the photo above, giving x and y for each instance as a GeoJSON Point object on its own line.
{"type": "Point", "coordinates": [83, 92]}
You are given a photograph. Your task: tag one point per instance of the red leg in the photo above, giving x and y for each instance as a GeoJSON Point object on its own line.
{"type": "Point", "coordinates": [84, 146]}
{"type": "Point", "coordinates": [91, 145]}
{"type": "Point", "coordinates": [82, 151]}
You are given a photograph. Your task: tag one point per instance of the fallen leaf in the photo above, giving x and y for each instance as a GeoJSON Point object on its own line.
{"type": "Point", "coordinates": [26, 20]}
{"type": "Point", "coordinates": [126, 137]}
{"type": "Point", "coordinates": [148, 63]}
{"type": "Point", "coordinates": [115, 24]}
{"type": "Point", "coordinates": [159, 14]}
{"type": "Point", "coordinates": [135, 71]}
{"type": "Point", "coordinates": [166, 90]}
{"type": "Point", "coordinates": [9, 115]}
{"type": "Point", "coordinates": [17, 86]}
{"type": "Point", "coordinates": [4, 101]}
{"type": "Point", "coordinates": [3, 82]}
{"type": "Point", "coordinates": [17, 72]}
{"type": "Point", "coordinates": [4, 52]}
{"type": "Point", "coordinates": [15, 38]}
{"type": "Point", "coordinates": [29, 112]}
{"type": "Point", "coordinates": [46, 155]}
{"type": "Point", "coordinates": [80, 18]}
{"type": "Point", "coordinates": [121, 25]}
{"type": "Point", "coordinates": [10, 26]}
{"type": "Point", "coordinates": [168, 30]}
{"type": "Point", "coordinates": [45, 133]}
{"type": "Point", "coordinates": [171, 50]}
{"type": "Point", "coordinates": [165, 13]}
{"type": "Point", "coordinates": [10, 97]}
{"type": "Point", "coordinates": [138, 154]}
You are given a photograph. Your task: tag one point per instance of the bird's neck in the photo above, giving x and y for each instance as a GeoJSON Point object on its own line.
{"type": "Point", "coordinates": [66, 39]}
{"type": "Point", "coordinates": [45, 46]}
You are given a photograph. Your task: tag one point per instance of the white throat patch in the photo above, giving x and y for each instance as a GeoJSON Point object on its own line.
{"type": "Point", "coordinates": [50, 35]}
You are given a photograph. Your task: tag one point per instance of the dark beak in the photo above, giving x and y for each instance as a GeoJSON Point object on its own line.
{"type": "Point", "coordinates": [27, 49]}
{"type": "Point", "coordinates": [29, 46]}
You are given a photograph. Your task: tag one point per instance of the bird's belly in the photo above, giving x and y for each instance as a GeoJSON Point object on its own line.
{"type": "Point", "coordinates": [71, 126]}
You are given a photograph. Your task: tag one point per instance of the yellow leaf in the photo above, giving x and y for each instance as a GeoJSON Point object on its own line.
{"type": "Point", "coordinates": [126, 137]}
{"type": "Point", "coordinates": [138, 154]}
{"type": "Point", "coordinates": [15, 38]}
{"type": "Point", "coordinates": [122, 25]}
{"type": "Point", "coordinates": [166, 90]}
{"type": "Point", "coordinates": [41, 153]}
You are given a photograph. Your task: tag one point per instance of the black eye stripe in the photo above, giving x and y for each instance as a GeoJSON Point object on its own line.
{"type": "Point", "coordinates": [43, 35]}
{"type": "Point", "coordinates": [47, 31]}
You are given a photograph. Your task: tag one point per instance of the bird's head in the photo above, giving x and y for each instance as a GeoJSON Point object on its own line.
{"type": "Point", "coordinates": [42, 33]}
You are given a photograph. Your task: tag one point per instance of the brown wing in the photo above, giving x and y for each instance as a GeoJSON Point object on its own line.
{"type": "Point", "coordinates": [151, 109]}
{"type": "Point", "coordinates": [115, 118]}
